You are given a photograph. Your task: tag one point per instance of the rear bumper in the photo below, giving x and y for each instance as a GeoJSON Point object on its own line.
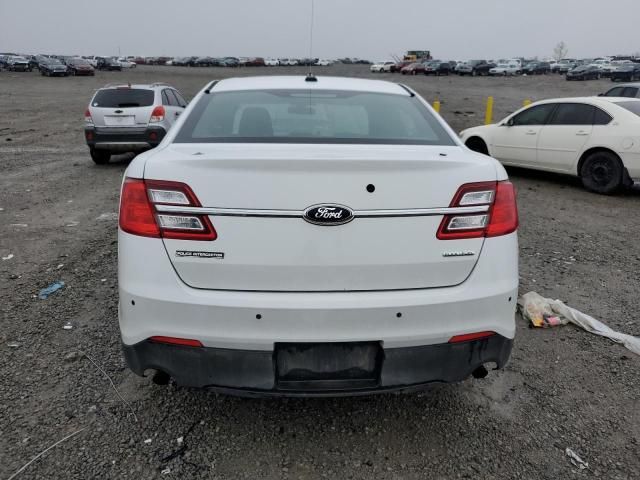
{"type": "Point", "coordinates": [118, 139]}
{"type": "Point", "coordinates": [246, 372]}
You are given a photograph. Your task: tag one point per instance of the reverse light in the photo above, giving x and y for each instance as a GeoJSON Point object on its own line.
{"type": "Point", "coordinates": [501, 218]}
{"type": "Point", "coordinates": [138, 214]}
{"type": "Point", "coordinates": [157, 115]}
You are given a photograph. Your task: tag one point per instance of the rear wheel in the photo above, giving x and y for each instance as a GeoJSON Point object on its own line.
{"type": "Point", "coordinates": [477, 145]}
{"type": "Point", "coordinates": [100, 156]}
{"type": "Point", "coordinates": [602, 172]}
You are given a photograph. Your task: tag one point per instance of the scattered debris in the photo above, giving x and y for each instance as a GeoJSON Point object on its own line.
{"type": "Point", "coordinates": [54, 287]}
{"type": "Point", "coordinates": [165, 471]}
{"type": "Point", "coordinates": [545, 312]}
{"type": "Point", "coordinates": [72, 224]}
{"type": "Point", "coordinates": [67, 326]}
{"type": "Point", "coordinates": [24, 467]}
{"type": "Point", "coordinates": [8, 257]}
{"type": "Point", "coordinates": [180, 440]}
{"type": "Point", "coordinates": [114, 388]}
{"type": "Point", "coordinates": [107, 217]}
{"type": "Point", "coordinates": [576, 461]}
{"type": "Point", "coordinates": [13, 345]}
{"type": "Point", "coordinates": [60, 266]}
{"type": "Point", "coordinates": [22, 225]}
{"type": "Point", "coordinates": [103, 280]}
{"type": "Point", "coordinates": [72, 357]}
{"type": "Point", "coordinates": [147, 441]}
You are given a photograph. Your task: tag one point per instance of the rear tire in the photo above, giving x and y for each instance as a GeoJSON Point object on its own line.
{"type": "Point", "coordinates": [602, 172]}
{"type": "Point", "coordinates": [100, 157]}
{"type": "Point", "coordinates": [477, 145]}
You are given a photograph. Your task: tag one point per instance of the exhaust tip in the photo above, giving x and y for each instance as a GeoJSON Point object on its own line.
{"type": "Point", "coordinates": [480, 372]}
{"type": "Point", "coordinates": [161, 378]}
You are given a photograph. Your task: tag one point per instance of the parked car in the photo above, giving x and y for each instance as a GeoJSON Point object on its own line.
{"type": "Point", "coordinates": [505, 69]}
{"type": "Point", "coordinates": [52, 67]}
{"type": "Point", "coordinates": [381, 67]}
{"type": "Point", "coordinates": [17, 63]}
{"type": "Point", "coordinates": [271, 62]}
{"type": "Point", "coordinates": [413, 69]}
{"type": "Point", "coordinates": [108, 64]}
{"type": "Point", "coordinates": [400, 65]}
{"type": "Point", "coordinates": [205, 62]}
{"type": "Point", "coordinates": [255, 62]}
{"type": "Point", "coordinates": [125, 63]}
{"type": "Point", "coordinates": [564, 65]}
{"type": "Point", "coordinates": [474, 67]}
{"type": "Point", "coordinates": [584, 137]}
{"type": "Point", "coordinates": [626, 73]}
{"type": "Point", "coordinates": [230, 62]}
{"type": "Point", "coordinates": [4, 62]}
{"type": "Point", "coordinates": [630, 90]}
{"type": "Point", "coordinates": [536, 68]}
{"type": "Point", "coordinates": [323, 62]}
{"type": "Point", "coordinates": [80, 66]}
{"type": "Point", "coordinates": [437, 68]}
{"type": "Point", "coordinates": [201, 302]}
{"type": "Point", "coordinates": [130, 118]}
{"type": "Point", "coordinates": [584, 72]}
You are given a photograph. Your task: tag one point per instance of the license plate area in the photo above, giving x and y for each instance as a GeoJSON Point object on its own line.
{"type": "Point", "coordinates": [328, 366]}
{"type": "Point", "coordinates": [117, 120]}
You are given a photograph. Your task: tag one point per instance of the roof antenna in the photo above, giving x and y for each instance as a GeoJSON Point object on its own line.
{"type": "Point", "coordinates": [310, 77]}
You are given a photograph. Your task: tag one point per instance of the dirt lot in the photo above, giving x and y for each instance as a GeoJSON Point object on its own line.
{"type": "Point", "coordinates": [563, 387]}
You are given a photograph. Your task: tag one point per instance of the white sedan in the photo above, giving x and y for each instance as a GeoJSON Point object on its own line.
{"type": "Point", "coordinates": [594, 138]}
{"type": "Point", "coordinates": [315, 236]}
{"type": "Point", "coordinates": [381, 67]}
{"type": "Point", "coordinates": [505, 69]}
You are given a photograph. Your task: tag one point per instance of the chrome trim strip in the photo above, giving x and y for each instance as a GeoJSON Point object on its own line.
{"type": "Point", "coordinates": [244, 212]}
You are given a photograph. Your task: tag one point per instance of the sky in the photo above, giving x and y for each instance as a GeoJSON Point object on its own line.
{"type": "Point", "coordinates": [370, 29]}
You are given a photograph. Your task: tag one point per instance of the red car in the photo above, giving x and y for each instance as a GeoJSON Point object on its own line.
{"type": "Point", "coordinates": [79, 66]}
{"type": "Point", "coordinates": [413, 69]}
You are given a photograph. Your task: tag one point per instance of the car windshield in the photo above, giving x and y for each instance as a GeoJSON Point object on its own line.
{"type": "Point", "coordinates": [633, 107]}
{"type": "Point", "coordinates": [78, 61]}
{"type": "Point", "coordinates": [123, 97]}
{"type": "Point", "coordinates": [19, 59]}
{"type": "Point", "coordinates": [298, 116]}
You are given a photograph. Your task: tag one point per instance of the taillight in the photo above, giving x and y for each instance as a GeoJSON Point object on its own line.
{"type": "Point", "coordinates": [139, 216]}
{"type": "Point", "coordinates": [87, 117]}
{"type": "Point", "coordinates": [500, 218]}
{"type": "Point", "coordinates": [157, 115]}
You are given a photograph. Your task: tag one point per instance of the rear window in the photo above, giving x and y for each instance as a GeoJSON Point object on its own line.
{"type": "Point", "coordinates": [123, 97]}
{"type": "Point", "coordinates": [298, 116]}
{"type": "Point", "coordinates": [633, 107]}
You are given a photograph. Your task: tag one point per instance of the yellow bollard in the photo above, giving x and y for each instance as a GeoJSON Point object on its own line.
{"type": "Point", "coordinates": [526, 102]}
{"type": "Point", "coordinates": [436, 106]}
{"type": "Point", "coordinates": [488, 117]}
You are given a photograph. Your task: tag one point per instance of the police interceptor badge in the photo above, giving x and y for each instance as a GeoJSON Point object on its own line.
{"type": "Point", "coordinates": [187, 253]}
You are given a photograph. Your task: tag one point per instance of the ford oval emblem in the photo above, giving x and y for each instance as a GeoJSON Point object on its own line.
{"type": "Point", "coordinates": [328, 214]}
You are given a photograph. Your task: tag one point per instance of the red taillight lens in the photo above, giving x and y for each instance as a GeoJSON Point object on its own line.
{"type": "Point", "coordinates": [157, 115]}
{"type": "Point", "coordinates": [185, 342]}
{"type": "Point", "coordinates": [501, 217]}
{"type": "Point", "coordinates": [139, 216]}
{"type": "Point", "coordinates": [467, 337]}
{"type": "Point", "coordinates": [87, 117]}
{"type": "Point", "coordinates": [504, 213]}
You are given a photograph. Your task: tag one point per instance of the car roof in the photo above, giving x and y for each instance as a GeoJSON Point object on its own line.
{"type": "Point", "coordinates": [147, 86]}
{"type": "Point", "coordinates": [634, 84]}
{"type": "Point", "coordinates": [591, 100]}
{"type": "Point", "coordinates": [276, 82]}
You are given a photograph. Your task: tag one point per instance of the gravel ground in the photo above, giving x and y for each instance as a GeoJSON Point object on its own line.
{"type": "Point", "coordinates": [563, 387]}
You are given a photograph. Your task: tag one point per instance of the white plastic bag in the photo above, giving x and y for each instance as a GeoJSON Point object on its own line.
{"type": "Point", "coordinates": [535, 308]}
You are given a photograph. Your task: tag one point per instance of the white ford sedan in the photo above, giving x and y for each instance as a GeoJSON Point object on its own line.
{"type": "Point", "coordinates": [594, 138]}
{"type": "Point", "coordinates": [315, 236]}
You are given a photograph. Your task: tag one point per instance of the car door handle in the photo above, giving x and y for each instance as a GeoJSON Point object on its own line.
{"type": "Point", "coordinates": [531, 132]}
{"type": "Point", "coordinates": [582, 133]}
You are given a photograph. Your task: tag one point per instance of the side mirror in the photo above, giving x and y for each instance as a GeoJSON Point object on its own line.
{"type": "Point", "coordinates": [508, 123]}
{"type": "Point", "coordinates": [601, 94]}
